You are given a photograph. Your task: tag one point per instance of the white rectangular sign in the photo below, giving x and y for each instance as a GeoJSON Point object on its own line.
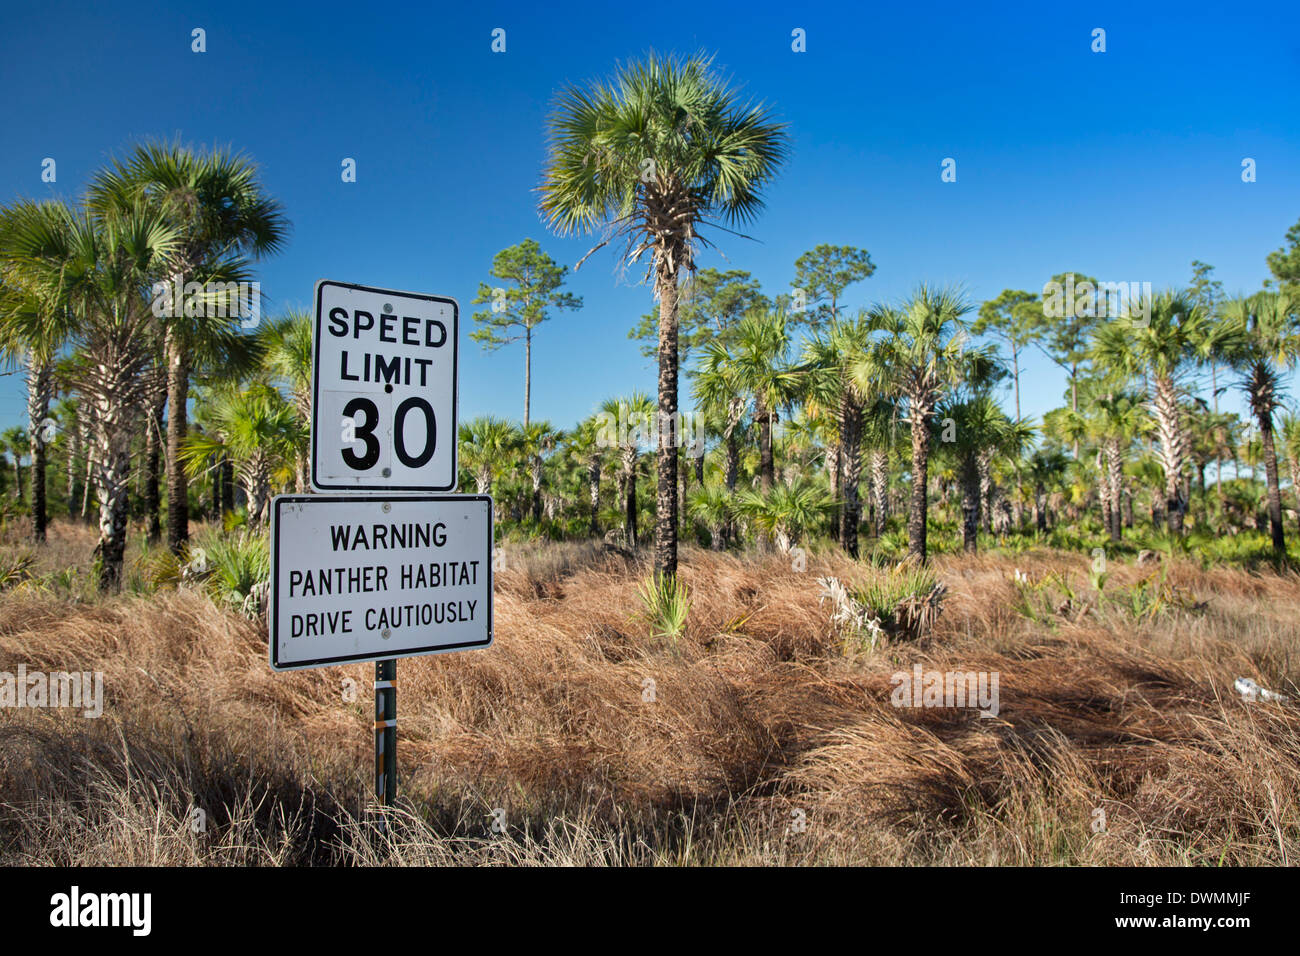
{"type": "Point", "coordinates": [383, 390]}
{"type": "Point", "coordinates": [367, 579]}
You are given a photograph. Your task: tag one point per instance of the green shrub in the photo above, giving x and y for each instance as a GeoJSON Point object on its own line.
{"type": "Point", "coordinates": [666, 604]}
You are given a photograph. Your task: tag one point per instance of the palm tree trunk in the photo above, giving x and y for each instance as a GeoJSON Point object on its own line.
{"type": "Point", "coordinates": [880, 489]}
{"type": "Point", "coordinates": [227, 486]}
{"type": "Point", "coordinates": [537, 488]}
{"type": "Point", "coordinates": [732, 471]}
{"type": "Point", "coordinates": [90, 479]}
{"type": "Point", "coordinates": [38, 408]}
{"type": "Point", "coordinates": [851, 442]}
{"type": "Point", "coordinates": [593, 493]}
{"type": "Point", "coordinates": [215, 471]}
{"type": "Point", "coordinates": [970, 505]}
{"type": "Point", "coordinates": [1274, 490]}
{"type": "Point", "coordinates": [1293, 465]}
{"type": "Point", "coordinates": [178, 390]}
{"type": "Point", "coordinates": [685, 468]}
{"type": "Point", "coordinates": [984, 462]}
{"type": "Point", "coordinates": [766, 469]}
{"type": "Point", "coordinates": [112, 470]}
{"type": "Point", "coordinates": [916, 520]}
{"type": "Point", "coordinates": [629, 490]}
{"type": "Point", "coordinates": [153, 460]}
{"type": "Point", "coordinates": [74, 452]}
{"type": "Point", "coordinates": [1173, 450]}
{"type": "Point", "coordinates": [666, 465]}
{"type": "Point", "coordinates": [1114, 469]}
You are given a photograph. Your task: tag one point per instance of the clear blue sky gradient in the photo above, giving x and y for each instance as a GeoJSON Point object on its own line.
{"type": "Point", "coordinates": [1125, 165]}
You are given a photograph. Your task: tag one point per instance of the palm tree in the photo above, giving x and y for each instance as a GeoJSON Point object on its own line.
{"type": "Point", "coordinates": [253, 428]}
{"type": "Point", "coordinates": [980, 430]}
{"type": "Point", "coordinates": [1173, 338]}
{"type": "Point", "coordinates": [654, 155]}
{"type": "Point", "coordinates": [71, 427]}
{"type": "Point", "coordinates": [585, 443]}
{"type": "Point", "coordinates": [633, 422]}
{"type": "Point", "coordinates": [719, 393]}
{"type": "Point", "coordinates": [1121, 419]}
{"type": "Point", "coordinates": [786, 512]}
{"type": "Point", "coordinates": [1289, 427]}
{"type": "Point", "coordinates": [843, 375]}
{"type": "Point", "coordinates": [287, 355]}
{"type": "Point", "coordinates": [1259, 338]}
{"type": "Point", "coordinates": [486, 443]}
{"type": "Point", "coordinates": [96, 267]}
{"type": "Point", "coordinates": [221, 215]}
{"type": "Point", "coordinates": [878, 426]}
{"type": "Point", "coordinates": [923, 351]}
{"type": "Point", "coordinates": [763, 372]}
{"type": "Point", "coordinates": [1047, 469]}
{"type": "Point", "coordinates": [31, 334]}
{"type": "Point", "coordinates": [535, 441]}
{"type": "Point", "coordinates": [711, 505]}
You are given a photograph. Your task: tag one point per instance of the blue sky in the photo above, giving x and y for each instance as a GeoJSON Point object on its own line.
{"type": "Point", "coordinates": [1124, 164]}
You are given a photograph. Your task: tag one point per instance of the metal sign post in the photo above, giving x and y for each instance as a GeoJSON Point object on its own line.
{"type": "Point", "coordinates": [386, 732]}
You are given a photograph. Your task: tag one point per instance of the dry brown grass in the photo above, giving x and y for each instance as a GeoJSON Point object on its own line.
{"type": "Point", "coordinates": [757, 715]}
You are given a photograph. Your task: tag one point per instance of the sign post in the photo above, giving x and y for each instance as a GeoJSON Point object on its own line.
{"type": "Point", "coordinates": [359, 576]}
{"type": "Point", "coordinates": [385, 732]}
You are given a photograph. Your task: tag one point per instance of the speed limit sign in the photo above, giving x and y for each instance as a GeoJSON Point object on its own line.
{"type": "Point", "coordinates": [383, 390]}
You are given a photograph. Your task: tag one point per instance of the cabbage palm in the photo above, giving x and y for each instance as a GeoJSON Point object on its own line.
{"type": "Point", "coordinates": [633, 422]}
{"type": "Point", "coordinates": [255, 429]}
{"type": "Point", "coordinates": [1289, 431]}
{"type": "Point", "coordinates": [980, 429]}
{"type": "Point", "coordinates": [923, 353]}
{"type": "Point", "coordinates": [585, 442]}
{"type": "Point", "coordinates": [760, 358]}
{"type": "Point", "coordinates": [711, 505]}
{"type": "Point", "coordinates": [1121, 418]}
{"type": "Point", "coordinates": [786, 512]}
{"type": "Point", "coordinates": [222, 217]}
{"type": "Point", "coordinates": [1047, 470]}
{"type": "Point", "coordinates": [1173, 338]}
{"type": "Point", "coordinates": [719, 394]}
{"type": "Point", "coordinates": [1260, 338]}
{"type": "Point", "coordinates": [486, 444]}
{"type": "Point", "coordinates": [535, 441]}
{"type": "Point", "coordinates": [653, 155]}
{"type": "Point", "coordinates": [878, 425]}
{"type": "Point", "coordinates": [287, 355]}
{"type": "Point", "coordinates": [97, 268]}
{"type": "Point", "coordinates": [31, 333]}
{"type": "Point", "coordinates": [844, 375]}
